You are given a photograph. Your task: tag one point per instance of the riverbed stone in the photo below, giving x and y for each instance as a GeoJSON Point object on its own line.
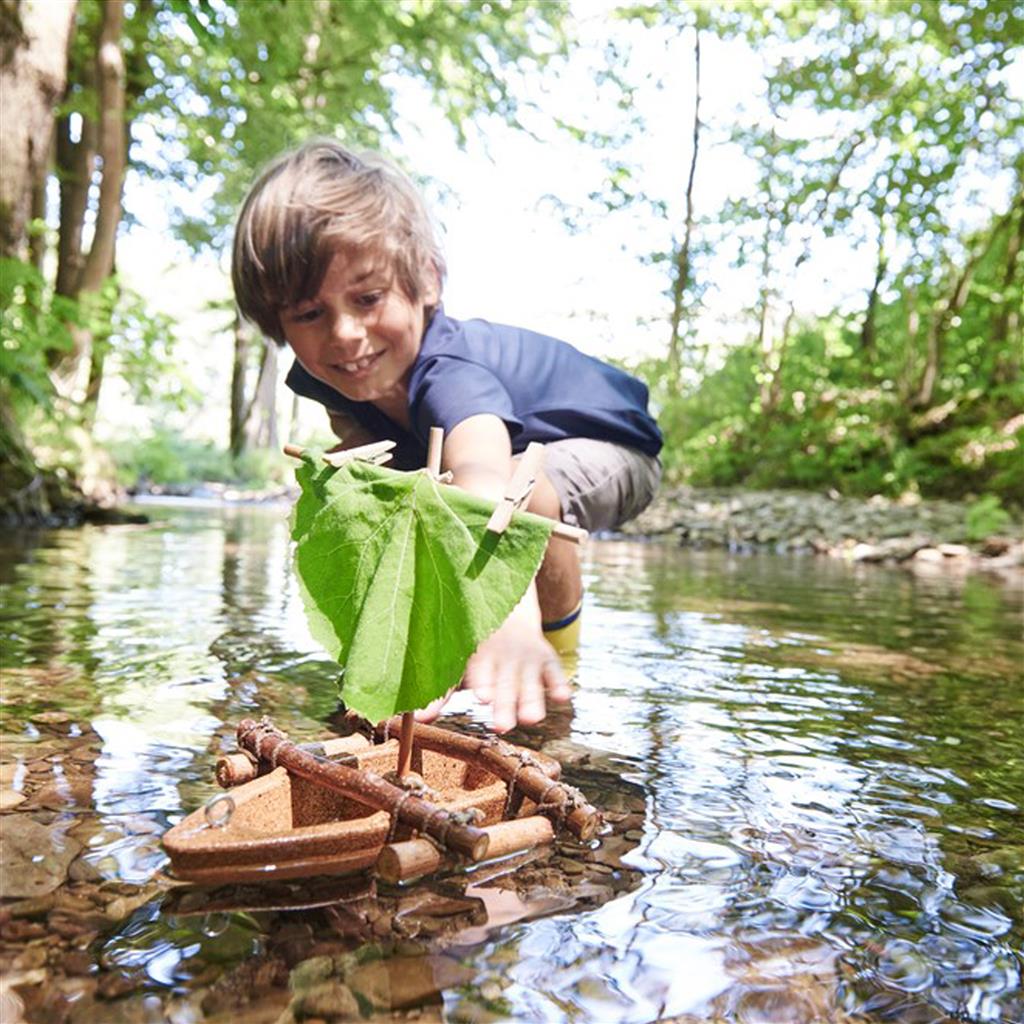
{"type": "Point", "coordinates": [10, 798]}
{"type": "Point", "coordinates": [69, 792]}
{"type": "Point", "coordinates": [84, 870]}
{"type": "Point", "coordinates": [955, 550]}
{"type": "Point", "coordinates": [34, 858]}
{"type": "Point", "coordinates": [329, 1001]}
{"type": "Point", "coordinates": [402, 982]}
{"type": "Point", "coordinates": [889, 530]}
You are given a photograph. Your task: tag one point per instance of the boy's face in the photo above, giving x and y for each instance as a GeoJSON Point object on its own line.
{"type": "Point", "coordinates": [360, 333]}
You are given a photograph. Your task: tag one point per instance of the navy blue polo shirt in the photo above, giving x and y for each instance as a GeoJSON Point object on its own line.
{"type": "Point", "coordinates": [542, 388]}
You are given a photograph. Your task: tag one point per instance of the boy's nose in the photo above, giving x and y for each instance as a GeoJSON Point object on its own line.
{"type": "Point", "coordinates": [348, 328]}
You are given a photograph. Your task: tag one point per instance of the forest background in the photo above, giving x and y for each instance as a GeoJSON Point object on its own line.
{"type": "Point", "coordinates": [803, 221]}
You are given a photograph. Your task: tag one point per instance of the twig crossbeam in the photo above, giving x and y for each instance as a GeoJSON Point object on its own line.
{"type": "Point", "coordinates": [380, 451]}
{"type": "Point", "coordinates": [269, 745]}
{"type": "Point", "coordinates": [554, 799]}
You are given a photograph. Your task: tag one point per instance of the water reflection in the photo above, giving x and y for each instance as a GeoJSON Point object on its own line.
{"type": "Point", "coordinates": [814, 771]}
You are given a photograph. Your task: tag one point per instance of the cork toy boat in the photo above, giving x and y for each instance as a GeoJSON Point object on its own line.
{"type": "Point", "coordinates": [343, 806]}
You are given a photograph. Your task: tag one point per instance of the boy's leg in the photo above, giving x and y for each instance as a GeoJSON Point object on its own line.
{"type": "Point", "coordinates": [593, 484]}
{"type": "Point", "coordinates": [559, 584]}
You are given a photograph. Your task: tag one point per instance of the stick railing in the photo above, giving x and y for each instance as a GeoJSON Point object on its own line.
{"type": "Point", "coordinates": [270, 745]}
{"type": "Point", "coordinates": [554, 799]}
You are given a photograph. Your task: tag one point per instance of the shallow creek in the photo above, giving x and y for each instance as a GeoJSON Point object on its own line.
{"type": "Point", "coordinates": [813, 773]}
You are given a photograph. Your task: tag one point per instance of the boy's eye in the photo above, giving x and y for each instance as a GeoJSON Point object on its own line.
{"type": "Point", "coordinates": [306, 316]}
{"type": "Point", "coordinates": [369, 299]}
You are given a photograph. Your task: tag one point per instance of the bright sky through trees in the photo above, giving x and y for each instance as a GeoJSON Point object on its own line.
{"type": "Point", "coordinates": [511, 256]}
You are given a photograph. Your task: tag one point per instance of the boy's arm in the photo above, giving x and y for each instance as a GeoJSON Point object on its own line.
{"type": "Point", "coordinates": [352, 433]}
{"type": "Point", "coordinates": [515, 668]}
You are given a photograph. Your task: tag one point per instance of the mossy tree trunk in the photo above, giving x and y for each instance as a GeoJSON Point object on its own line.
{"type": "Point", "coordinates": [34, 37]}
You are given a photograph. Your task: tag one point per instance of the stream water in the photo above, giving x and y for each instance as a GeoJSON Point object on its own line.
{"type": "Point", "coordinates": [814, 774]}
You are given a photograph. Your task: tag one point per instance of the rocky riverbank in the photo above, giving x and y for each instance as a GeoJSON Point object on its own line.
{"type": "Point", "coordinates": [921, 533]}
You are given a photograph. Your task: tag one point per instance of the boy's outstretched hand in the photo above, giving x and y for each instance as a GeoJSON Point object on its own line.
{"type": "Point", "coordinates": [516, 671]}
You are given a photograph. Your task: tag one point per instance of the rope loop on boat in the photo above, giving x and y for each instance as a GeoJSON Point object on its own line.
{"type": "Point", "coordinates": [574, 800]}
{"type": "Point", "coordinates": [514, 753]}
{"type": "Point", "coordinates": [395, 811]}
{"type": "Point", "coordinates": [223, 818]}
{"type": "Point", "coordinates": [265, 730]}
{"type": "Point", "coordinates": [511, 786]}
{"type": "Point", "coordinates": [467, 816]}
{"type": "Point", "coordinates": [523, 759]}
{"type": "Point", "coordinates": [414, 784]}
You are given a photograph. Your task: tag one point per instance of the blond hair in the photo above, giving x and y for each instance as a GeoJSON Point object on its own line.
{"type": "Point", "coordinates": [318, 200]}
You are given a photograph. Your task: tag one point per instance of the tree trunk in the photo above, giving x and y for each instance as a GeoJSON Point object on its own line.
{"type": "Point", "coordinates": [37, 237]}
{"type": "Point", "coordinates": [775, 387]}
{"type": "Point", "coordinates": [868, 328]}
{"type": "Point", "coordinates": [682, 267]}
{"type": "Point", "coordinates": [953, 304]}
{"type": "Point", "coordinates": [264, 405]}
{"type": "Point", "coordinates": [239, 407]}
{"type": "Point", "coordinates": [34, 39]}
{"type": "Point", "coordinates": [908, 372]}
{"type": "Point", "coordinates": [110, 74]}
{"type": "Point", "coordinates": [73, 372]}
{"type": "Point", "coordinates": [764, 341]}
{"type": "Point", "coordinates": [75, 162]}
{"type": "Point", "coordinates": [1006, 331]}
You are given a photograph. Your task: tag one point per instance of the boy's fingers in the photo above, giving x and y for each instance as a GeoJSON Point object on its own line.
{"type": "Point", "coordinates": [480, 678]}
{"type": "Point", "coordinates": [506, 700]}
{"type": "Point", "coordinates": [531, 700]}
{"type": "Point", "coordinates": [555, 681]}
{"type": "Point", "coordinates": [432, 710]}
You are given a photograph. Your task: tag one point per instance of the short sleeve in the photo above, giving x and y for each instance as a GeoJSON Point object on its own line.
{"type": "Point", "coordinates": [449, 390]}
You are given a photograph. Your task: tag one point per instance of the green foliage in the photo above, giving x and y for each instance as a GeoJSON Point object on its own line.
{"type": "Point", "coordinates": [986, 517]}
{"type": "Point", "coordinates": [37, 325]}
{"type": "Point", "coordinates": [880, 121]}
{"type": "Point", "coordinates": [843, 418]}
{"type": "Point", "coordinates": [142, 344]}
{"type": "Point", "coordinates": [168, 459]}
{"type": "Point", "coordinates": [33, 322]}
{"type": "Point", "coordinates": [257, 79]}
{"type": "Point", "coordinates": [401, 579]}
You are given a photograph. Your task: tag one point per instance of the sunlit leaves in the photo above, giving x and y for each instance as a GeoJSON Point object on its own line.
{"type": "Point", "coordinates": [33, 321]}
{"type": "Point", "coordinates": [236, 82]}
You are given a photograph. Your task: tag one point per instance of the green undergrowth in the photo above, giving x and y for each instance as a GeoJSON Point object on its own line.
{"type": "Point", "coordinates": [166, 459]}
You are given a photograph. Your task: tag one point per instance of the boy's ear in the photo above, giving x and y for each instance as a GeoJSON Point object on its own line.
{"type": "Point", "coordinates": [431, 286]}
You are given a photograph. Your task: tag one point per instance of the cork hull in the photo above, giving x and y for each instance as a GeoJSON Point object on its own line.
{"type": "Point", "coordinates": [280, 825]}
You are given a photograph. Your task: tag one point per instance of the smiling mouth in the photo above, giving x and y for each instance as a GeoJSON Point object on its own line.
{"type": "Point", "coordinates": [358, 365]}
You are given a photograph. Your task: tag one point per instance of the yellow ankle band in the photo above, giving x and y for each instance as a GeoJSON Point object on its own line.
{"type": "Point", "coordinates": [564, 634]}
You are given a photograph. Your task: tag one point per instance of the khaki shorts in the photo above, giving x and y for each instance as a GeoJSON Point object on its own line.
{"type": "Point", "coordinates": [600, 485]}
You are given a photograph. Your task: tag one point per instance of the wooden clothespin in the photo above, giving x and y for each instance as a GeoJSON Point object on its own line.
{"type": "Point", "coordinates": [377, 453]}
{"type": "Point", "coordinates": [519, 488]}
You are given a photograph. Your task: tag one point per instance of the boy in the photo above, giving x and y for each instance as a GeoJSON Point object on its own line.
{"type": "Point", "coordinates": [335, 255]}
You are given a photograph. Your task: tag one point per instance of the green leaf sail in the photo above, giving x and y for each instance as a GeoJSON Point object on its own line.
{"type": "Point", "coordinates": [402, 580]}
